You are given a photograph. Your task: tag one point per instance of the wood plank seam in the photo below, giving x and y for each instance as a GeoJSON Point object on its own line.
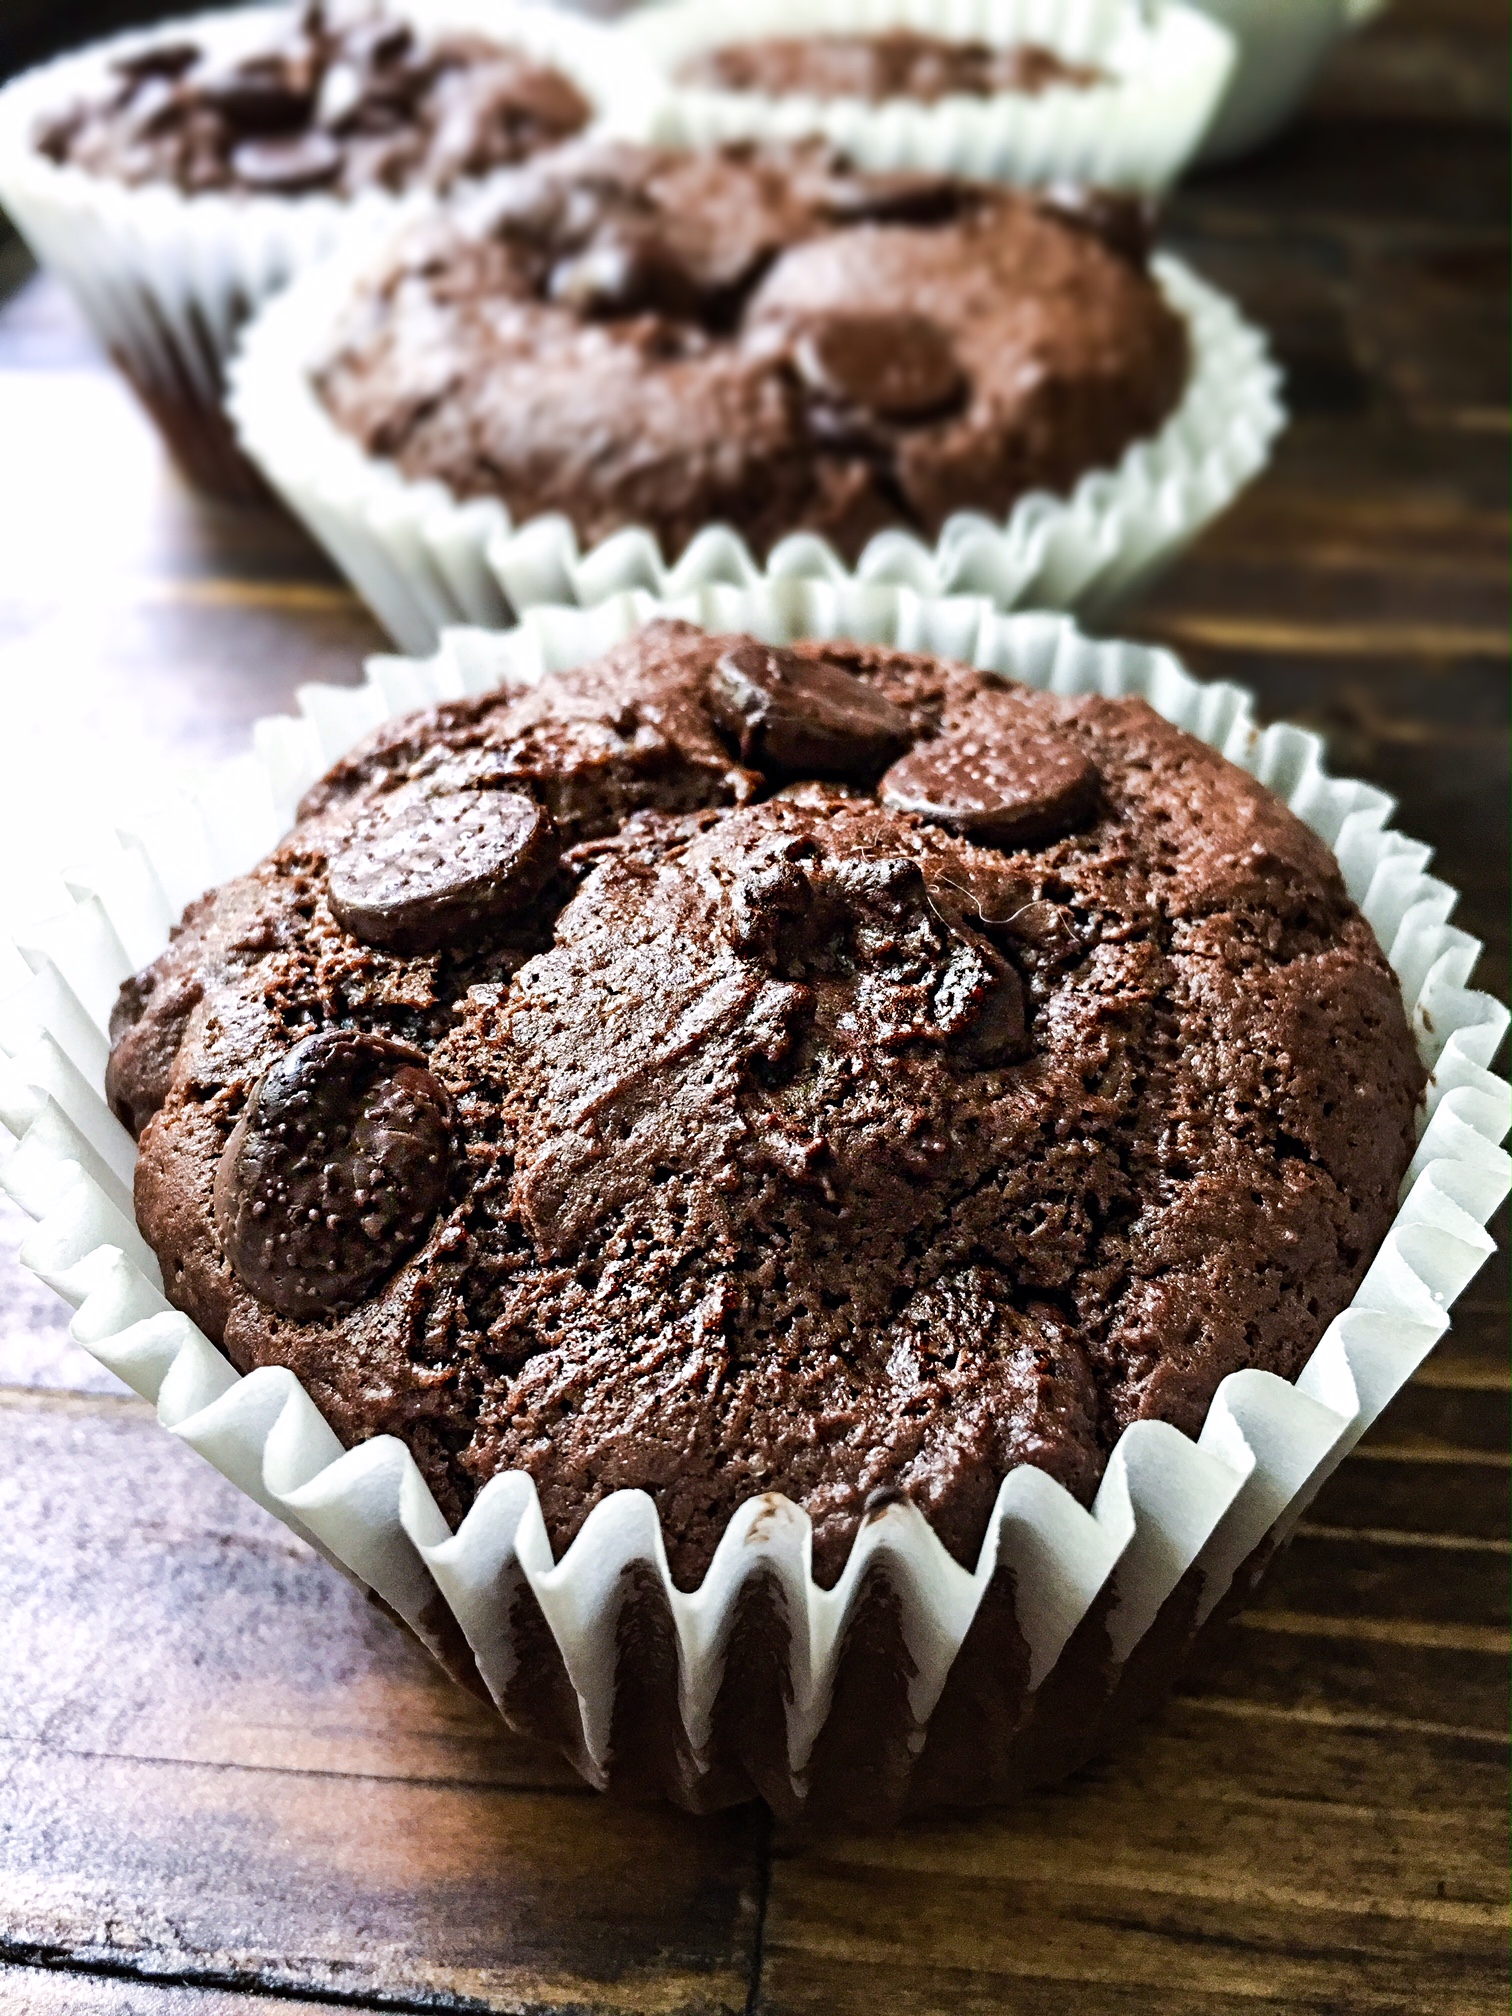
{"type": "Point", "coordinates": [763, 1900]}
{"type": "Point", "coordinates": [1385, 640]}
{"type": "Point", "coordinates": [1388, 1536]}
{"type": "Point", "coordinates": [1431, 1453]}
{"type": "Point", "coordinates": [52, 1960]}
{"type": "Point", "coordinates": [1333, 1718]}
{"type": "Point", "coordinates": [1483, 1638]}
{"type": "Point", "coordinates": [429, 1781]}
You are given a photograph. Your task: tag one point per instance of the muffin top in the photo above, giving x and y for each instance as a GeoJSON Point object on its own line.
{"type": "Point", "coordinates": [898, 63]}
{"type": "Point", "coordinates": [724, 1069]}
{"type": "Point", "coordinates": [340, 99]}
{"type": "Point", "coordinates": [761, 337]}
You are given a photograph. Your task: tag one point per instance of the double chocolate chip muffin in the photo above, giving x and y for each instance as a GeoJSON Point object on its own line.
{"type": "Point", "coordinates": [726, 1069]}
{"type": "Point", "coordinates": [763, 338]}
{"type": "Point", "coordinates": [340, 99]}
{"type": "Point", "coordinates": [897, 63]}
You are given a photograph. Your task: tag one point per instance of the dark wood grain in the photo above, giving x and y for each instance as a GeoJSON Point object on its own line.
{"type": "Point", "coordinates": [265, 1781]}
{"type": "Point", "coordinates": [227, 1783]}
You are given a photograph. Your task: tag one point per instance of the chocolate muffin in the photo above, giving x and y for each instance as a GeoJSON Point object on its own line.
{"type": "Point", "coordinates": [335, 98]}
{"type": "Point", "coordinates": [726, 1069]}
{"type": "Point", "coordinates": [175, 178]}
{"type": "Point", "coordinates": [759, 337]}
{"type": "Point", "coordinates": [898, 63]}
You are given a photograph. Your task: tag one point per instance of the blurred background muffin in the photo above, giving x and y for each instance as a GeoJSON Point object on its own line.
{"type": "Point", "coordinates": [175, 177]}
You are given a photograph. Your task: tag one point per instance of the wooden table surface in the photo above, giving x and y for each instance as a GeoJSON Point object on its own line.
{"type": "Point", "coordinates": [227, 1784]}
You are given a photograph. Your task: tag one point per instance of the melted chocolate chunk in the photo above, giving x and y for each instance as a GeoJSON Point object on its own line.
{"type": "Point", "coordinates": [378, 42]}
{"type": "Point", "coordinates": [604, 249]}
{"type": "Point", "coordinates": [999, 1030]}
{"type": "Point", "coordinates": [912, 968]}
{"type": "Point", "coordinates": [426, 868]}
{"type": "Point", "coordinates": [262, 96]}
{"type": "Point", "coordinates": [334, 1173]}
{"type": "Point", "coordinates": [918, 972]}
{"type": "Point", "coordinates": [624, 272]}
{"type": "Point", "coordinates": [1002, 790]}
{"type": "Point", "coordinates": [147, 1026]}
{"type": "Point", "coordinates": [900, 366]}
{"type": "Point", "coordinates": [903, 196]}
{"type": "Point", "coordinates": [165, 59]}
{"type": "Point", "coordinates": [792, 715]}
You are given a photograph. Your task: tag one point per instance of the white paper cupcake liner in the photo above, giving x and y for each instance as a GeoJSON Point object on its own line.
{"type": "Point", "coordinates": [423, 561]}
{"type": "Point", "coordinates": [166, 280]}
{"type": "Point", "coordinates": [1280, 50]}
{"type": "Point", "coordinates": [1166, 64]}
{"type": "Point", "coordinates": [1174, 1520]}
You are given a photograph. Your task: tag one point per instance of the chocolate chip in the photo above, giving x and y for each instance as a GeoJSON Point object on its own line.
{"type": "Point", "coordinates": [913, 968]}
{"type": "Point", "coordinates": [1047, 931]}
{"type": "Point", "coordinates": [147, 1026]}
{"type": "Point", "coordinates": [308, 161]}
{"type": "Point", "coordinates": [997, 1034]}
{"type": "Point", "coordinates": [425, 868]}
{"type": "Point", "coordinates": [258, 97]}
{"type": "Point", "coordinates": [378, 42]}
{"type": "Point", "coordinates": [164, 59]}
{"type": "Point", "coordinates": [526, 207]}
{"type": "Point", "coordinates": [619, 264]}
{"type": "Point", "coordinates": [541, 97]}
{"type": "Point", "coordinates": [901, 365]}
{"type": "Point", "coordinates": [622, 272]}
{"type": "Point", "coordinates": [795, 715]}
{"type": "Point", "coordinates": [334, 1172]}
{"type": "Point", "coordinates": [1005, 789]}
{"type": "Point", "coordinates": [156, 107]}
{"type": "Point", "coordinates": [901, 198]}
{"type": "Point", "coordinates": [1123, 223]}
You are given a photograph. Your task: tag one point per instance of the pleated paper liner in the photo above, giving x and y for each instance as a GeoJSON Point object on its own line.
{"type": "Point", "coordinates": [423, 561]}
{"type": "Point", "coordinates": [914, 1682]}
{"type": "Point", "coordinates": [1165, 68]}
{"type": "Point", "coordinates": [166, 280]}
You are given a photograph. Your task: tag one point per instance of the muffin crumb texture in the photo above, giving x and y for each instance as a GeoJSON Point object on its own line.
{"type": "Point", "coordinates": [725, 1069]}
{"type": "Point", "coordinates": [758, 337]}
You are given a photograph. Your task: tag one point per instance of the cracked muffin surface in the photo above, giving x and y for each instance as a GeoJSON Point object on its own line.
{"type": "Point", "coordinates": [725, 1069]}
{"type": "Point", "coordinates": [762, 338]}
